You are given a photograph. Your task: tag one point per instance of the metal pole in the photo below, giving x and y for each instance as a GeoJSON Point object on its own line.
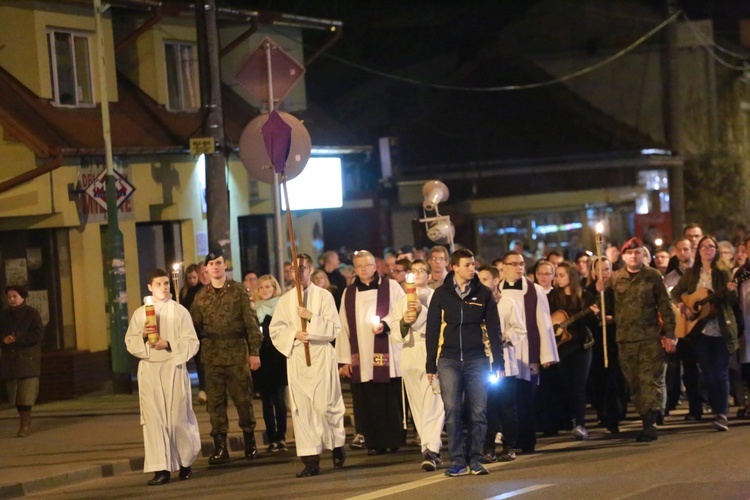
{"type": "Point", "coordinates": [114, 243]}
{"type": "Point", "coordinates": [276, 198]}
{"type": "Point", "coordinates": [673, 127]}
{"type": "Point", "coordinates": [217, 193]}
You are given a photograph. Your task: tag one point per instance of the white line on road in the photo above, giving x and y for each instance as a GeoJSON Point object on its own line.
{"type": "Point", "coordinates": [401, 488]}
{"type": "Point", "coordinates": [516, 493]}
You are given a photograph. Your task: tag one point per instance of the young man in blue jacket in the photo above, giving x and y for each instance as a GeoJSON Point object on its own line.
{"type": "Point", "coordinates": [459, 308]}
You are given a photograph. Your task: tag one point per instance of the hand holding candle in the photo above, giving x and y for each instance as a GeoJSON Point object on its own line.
{"type": "Point", "coordinates": [150, 328]}
{"type": "Point", "coordinates": [377, 326]}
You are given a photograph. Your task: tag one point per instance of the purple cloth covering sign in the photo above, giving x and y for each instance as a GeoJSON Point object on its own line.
{"type": "Point", "coordinates": [277, 136]}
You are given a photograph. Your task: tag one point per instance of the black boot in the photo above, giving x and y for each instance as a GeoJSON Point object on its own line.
{"type": "Point", "coordinates": [221, 455]}
{"type": "Point", "coordinates": [250, 448]}
{"type": "Point", "coordinates": [312, 466]}
{"type": "Point", "coordinates": [649, 432]}
{"type": "Point", "coordinates": [339, 457]}
{"type": "Point", "coordinates": [161, 477]}
{"type": "Point", "coordinates": [185, 473]}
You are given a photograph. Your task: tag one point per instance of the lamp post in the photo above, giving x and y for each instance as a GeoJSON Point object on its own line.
{"type": "Point", "coordinates": [599, 243]}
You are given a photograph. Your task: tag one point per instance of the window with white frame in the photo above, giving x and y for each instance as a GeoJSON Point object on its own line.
{"type": "Point", "coordinates": [70, 68]}
{"type": "Point", "coordinates": [182, 76]}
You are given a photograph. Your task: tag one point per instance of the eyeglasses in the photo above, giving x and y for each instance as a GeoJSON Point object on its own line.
{"type": "Point", "coordinates": [514, 264]}
{"type": "Point", "coordinates": [302, 268]}
{"type": "Point", "coordinates": [363, 266]}
{"type": "Point", "coordinates": [442, 259]}
{"type": "Point", "coordinates": [419, 271]}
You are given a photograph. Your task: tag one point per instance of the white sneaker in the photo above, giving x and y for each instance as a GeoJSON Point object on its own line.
{"type": "Point", "coordinates": [580, 433]}
{"type": "Point", "coordinates": [202, 397]}
{"type": "Point", "coordinates": [358, 443]}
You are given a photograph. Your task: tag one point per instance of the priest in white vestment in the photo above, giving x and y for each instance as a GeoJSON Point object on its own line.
{"type": "Point", "coordinates": [370, 357]}
{"type": "Point", "coordinates": [535, 348]}
{"type": "Point", "coordinates": [317, 405]}
{"type": "Point", "coordinates": [170, 429]}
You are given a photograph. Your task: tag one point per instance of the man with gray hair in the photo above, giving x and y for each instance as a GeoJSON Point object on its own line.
{"type": "Point", "coordinates": [369, 357]}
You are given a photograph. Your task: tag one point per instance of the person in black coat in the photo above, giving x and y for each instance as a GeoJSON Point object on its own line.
{"type": "Point", "coordinates": [22, 331]}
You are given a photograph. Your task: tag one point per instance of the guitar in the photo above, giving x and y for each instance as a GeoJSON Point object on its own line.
{"type": "Point", "coordinates": [700, 303]}
{"type": "Point", "coordinates": [561, 321]}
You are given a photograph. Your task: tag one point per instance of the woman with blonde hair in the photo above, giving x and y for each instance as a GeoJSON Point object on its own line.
{"type": "Point", "coordinates": [727, 252]}
{"type": "Point", "coordinates": [320, 279]}
{"type": "Point", "coordinates": [270, 379]}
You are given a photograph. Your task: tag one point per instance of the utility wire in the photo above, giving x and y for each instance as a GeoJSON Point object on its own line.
{"type": "Point", "coordinates": [502, 88]}
{"type": "Point", "coordinates": [716, 45]}
{"type": "Point", "coordinates": [709, 46]}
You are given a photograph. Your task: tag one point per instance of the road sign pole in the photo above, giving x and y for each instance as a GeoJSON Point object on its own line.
{"type": "Point", "coordinates": [114, 251]}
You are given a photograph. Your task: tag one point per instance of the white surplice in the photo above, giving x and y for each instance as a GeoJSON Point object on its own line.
{"type": "Point", "coordinates": [365, 306]}
{"type": "Point", "coordinates": [427, 408]}
{"type": "Point", "coordinates": [547, 345]}
{"type": "Point", "coordinates": [317, 405]}
{"type": "Point", "coordinates": [170, 429]}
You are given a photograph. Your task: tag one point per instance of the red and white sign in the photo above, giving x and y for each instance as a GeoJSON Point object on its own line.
{"type": "Point", "coordinates": [98, 189]}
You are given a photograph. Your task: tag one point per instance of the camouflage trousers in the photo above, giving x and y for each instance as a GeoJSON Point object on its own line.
{"type": "Point", "coordinates": [643, 366]}
{"type": "Point", "coordinates": [236, 380]}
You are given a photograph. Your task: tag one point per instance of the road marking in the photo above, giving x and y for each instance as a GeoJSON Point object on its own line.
{"type": "Point", "coordinates": [401, 488]}
{"type": "Point", "coordinates": [516, 493]}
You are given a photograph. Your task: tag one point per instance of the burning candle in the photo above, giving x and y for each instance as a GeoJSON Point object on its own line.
{"type": "Point", "coordinates": [375, 321]}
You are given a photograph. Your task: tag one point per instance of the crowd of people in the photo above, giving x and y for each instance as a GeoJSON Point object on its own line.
{"type": "Point", "coordinates": [493, 353]}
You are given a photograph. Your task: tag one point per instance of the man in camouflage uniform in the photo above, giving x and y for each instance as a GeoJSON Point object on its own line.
{"type": "Point", "coordinates": [230, 341]}
{"type": "Point", "coordinates": [640, 297]}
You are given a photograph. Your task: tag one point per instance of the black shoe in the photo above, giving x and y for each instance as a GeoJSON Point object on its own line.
{"type": "Point", "coordinates": [186, 473]}
{"type": "Point", "coordinates": [309, 470]}
{"type": "Point", "coordinates": [507, 455]}
{"type": "Point", "coordinates": [220, 455]}
{"type": "Point", "coordinates": [250, 448]}
{"type": "Point", "coordinates": [161, 477]}
{"type": "Point", "coordinates": [489, 457]}
{"type": "Point", "coordinates": [339, 457]}
{"type": "Point", "coordinates": [377, 451]}
{"type": "Point", "coordinates": [693, 418]}
{"type": "Point", "coordinates": [281, 446]}
{"type": "Point", "coordinates": [613, 428]}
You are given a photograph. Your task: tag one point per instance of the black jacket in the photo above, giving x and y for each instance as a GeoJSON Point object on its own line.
{"type": "Point", "coordinates": [461, 323]}
{"type": "Point", "coordinates": [22, 358]}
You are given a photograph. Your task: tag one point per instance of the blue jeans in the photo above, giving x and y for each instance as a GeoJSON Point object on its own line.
{"type": "Point", "coordinates": [459, 380]}
{"type": "Point", "coordinates": [713, 358]}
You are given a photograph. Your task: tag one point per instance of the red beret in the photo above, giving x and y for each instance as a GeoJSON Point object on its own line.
{"type": "Point", "coordinates": [632, 243]}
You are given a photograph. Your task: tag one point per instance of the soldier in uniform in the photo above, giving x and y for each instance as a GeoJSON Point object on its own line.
{"type": "Point", "coordinates": [640, 297]}
{"type": "Point", "coordinates": [230, 346]}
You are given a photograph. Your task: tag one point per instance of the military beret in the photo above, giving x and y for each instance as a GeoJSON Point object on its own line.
{"type": "Point", "coordinates": [213, 254]}
{"type": "Point", "coordinates": [632, 243]}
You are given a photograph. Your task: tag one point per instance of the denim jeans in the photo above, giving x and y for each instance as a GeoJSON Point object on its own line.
{"type": "Point", "coordinates": [458, 380]}
{"type": "Point", "coordinates": [713, 358]}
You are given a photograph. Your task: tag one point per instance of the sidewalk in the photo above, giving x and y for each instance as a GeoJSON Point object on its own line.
{"type": "Point", "coordinates": [94, 436]}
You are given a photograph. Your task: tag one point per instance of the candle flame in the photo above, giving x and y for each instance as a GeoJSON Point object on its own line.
{"type": "Point", "coordinates": [176, 266]}
{"type": "Point", "coordinates": [410, 278]}
{"type": "Point", "coordinates": [599, 227]}
{"type": "Point", "coordinates": [375, 320]}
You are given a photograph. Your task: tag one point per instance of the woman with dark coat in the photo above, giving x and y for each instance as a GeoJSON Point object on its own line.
{"type": "Point", "coordinates": [21, 331]}
{"type": "Point", "coordinates": [575, 354]}
{"type": "Point", "coordinates": [716, 338]}
{"type": "Point", "coordinates": [270, 379]}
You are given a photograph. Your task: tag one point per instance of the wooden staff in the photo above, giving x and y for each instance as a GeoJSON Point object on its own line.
{"type": "Point", "coordinates": [293, 245]}
{"type": "Point", "coordinates": [599, 263]}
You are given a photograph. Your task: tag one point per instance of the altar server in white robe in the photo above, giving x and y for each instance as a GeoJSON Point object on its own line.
{"type": "Point", "coordinates": [317, 405]}
{"type": "Point", "coordinates": [408, 328]}
{"type": "Point", "coordinates": [170, 429]}
{"type": "Point", "coordinates": [370, 357]}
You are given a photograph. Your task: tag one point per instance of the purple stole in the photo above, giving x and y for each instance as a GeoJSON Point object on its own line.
{"type": "Point", "coordinates": [381, 371]}
{"type": "Point", "coordinates": [532, 328]}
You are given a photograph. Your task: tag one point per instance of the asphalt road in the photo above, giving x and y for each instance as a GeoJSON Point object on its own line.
{"type": "Point", "coordinates": [689, 461]}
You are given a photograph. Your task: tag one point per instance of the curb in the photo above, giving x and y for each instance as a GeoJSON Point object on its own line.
{"type": "Point", "coordinates": [109, 469]}
{"type": "Point", "coordinates": [66, 478]}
